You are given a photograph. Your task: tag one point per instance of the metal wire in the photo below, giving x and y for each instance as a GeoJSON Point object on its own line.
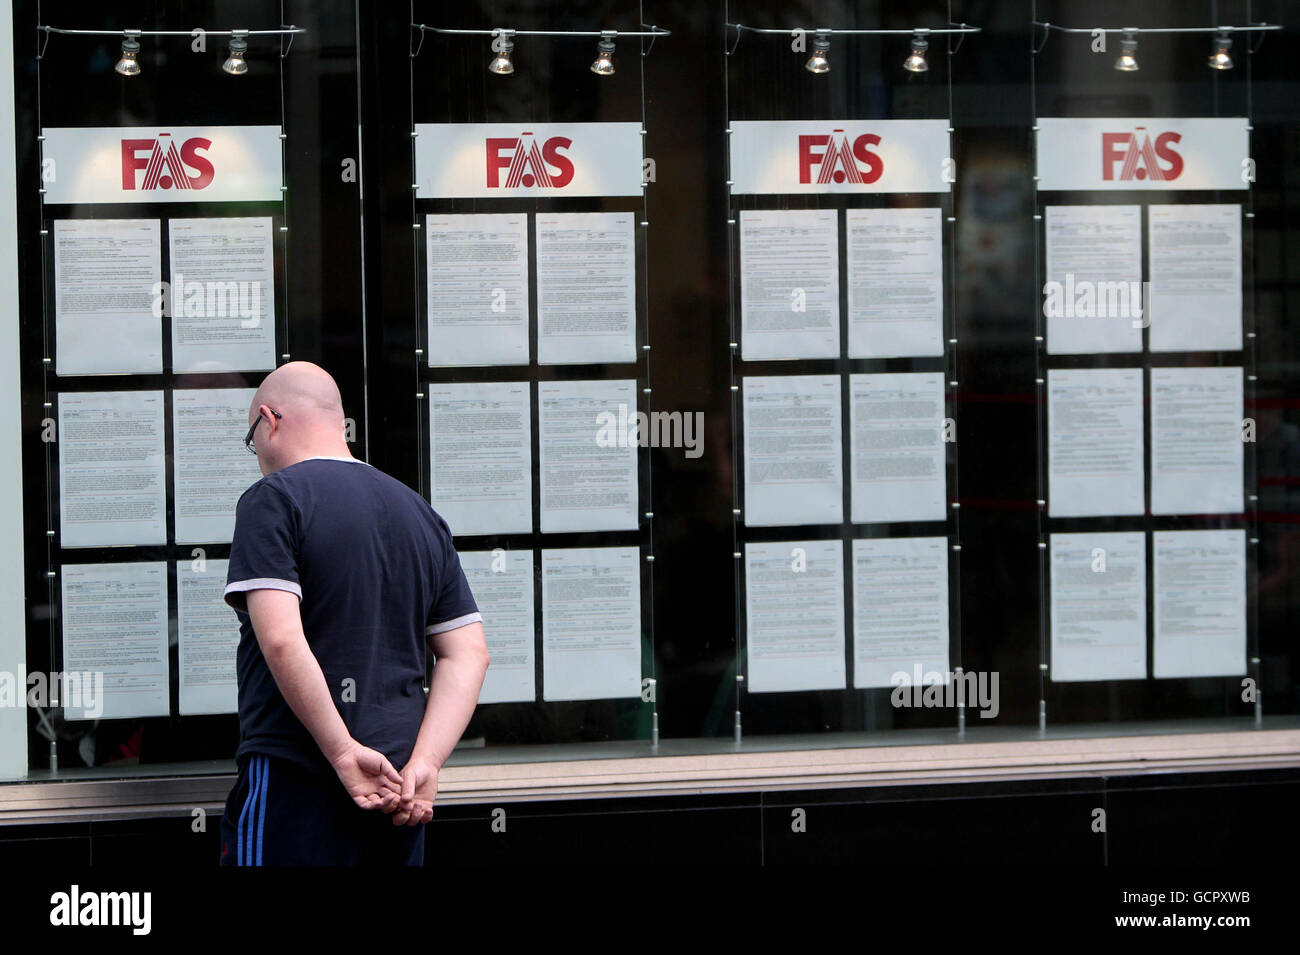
{"type": "Point", "coordinates": [653, 31]}
{"type": "Point", "coordinates": [1250, 28]}
{"type": "Point", "coordinates": [958, 28]}
{"type": "Point", "coordinates": [1261, 28]}
{"type": "Point", "coordinates": [280, 32]}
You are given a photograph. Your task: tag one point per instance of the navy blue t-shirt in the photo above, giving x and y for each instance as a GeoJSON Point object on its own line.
{"type": "Point", "coordinates": [375, 572]}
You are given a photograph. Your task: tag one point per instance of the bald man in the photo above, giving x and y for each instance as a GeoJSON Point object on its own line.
{"type": "Point", "coordinates": [343, 579]}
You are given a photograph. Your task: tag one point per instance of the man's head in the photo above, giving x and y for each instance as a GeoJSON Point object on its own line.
{"type": "Point", "coordinates": [297, 414]}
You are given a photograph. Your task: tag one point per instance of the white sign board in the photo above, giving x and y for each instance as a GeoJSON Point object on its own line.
{"type": "Point", "coordinates": [1143, 154]}
{"type": "Point", "coordinates": [526, 160]}
{"type": "Point", "coordinates": [897, 155]}
{"type": "Point", "coordinates": [86, 165]}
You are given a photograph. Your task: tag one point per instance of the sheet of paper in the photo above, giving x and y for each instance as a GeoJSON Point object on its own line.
{"type": "Point", "coordinates": [115, 638]}
{"type": "Point", "coordinates": [792, 450]}
{"type": "Point", "coordinates": [1098, 606]}
{"type": "Point", "coordinates": [222, 294]}
{"type": "Point", "coordinates": [895, 287]}
{"type": "Point", "coordinates": [105, 274]}
{"type": "Point", "coordinates": [896, 446]}
{"type": "Point", "coordinates": [1196, 446]}
{"type": "Point", "coordinates": [789, 283]}
{"type": "Point", "coordinates": [212, 469]}
{"type": "Point", "coordinates": [112, 468]}
{"type": "Point", "coordinates": [1094, 442]}
{"type": "Point", "coordinates": [1093, 299]}
{"type": "Point", "coordinates": [586, 287]}
{"type": "Point", "coordinates": [208, 632]}
{"type": "Point", "coordinates": [588, 440]}
{"type": "Point", "coordinates": [794, 615]}
{"type": "Point", "coordinates": [591, 623]}
{"type": "Point", "coordinates": [502, 583]}
{"type": "Point", "coordinates": [481, 456]}
{"type": "Point", "coordinates": [477, 289]}
{"type": "Point", "coordinates": [1200, 603]}
{"type": "Point", "coordinates": [900, 609]}
{"type": "Point", "coordinates": [1195, 253]}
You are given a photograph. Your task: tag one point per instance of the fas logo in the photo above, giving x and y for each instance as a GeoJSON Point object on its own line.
{"type": "Point", "coordinates": [1140, 157]}
{"type": "Point", "coordinates": [838, 160]}
{"type": "Point", "coordinates": [165, 166]}
{"type": "Point", "coordinates": [527, 163]}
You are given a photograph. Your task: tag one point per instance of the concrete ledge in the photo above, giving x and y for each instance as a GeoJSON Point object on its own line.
{"type": "Point", "coordinates": [873, 766]}
{"type": "Point", "coordinates": [702, 767]}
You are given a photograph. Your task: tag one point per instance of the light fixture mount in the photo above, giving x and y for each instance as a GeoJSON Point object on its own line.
{"type": "Point", "coordinates": [129, 64]}
{"type": "Point", "coordinates": [916, 61]}
{"type": "Point", "coordinates": [235, 63]}
{"type": "Point", "coordinates": [604, 62]}
{"type": "Point", "coordinates": [819, 61]}
{"type": "Point", "coordinates": [503, 45]}
{"type": "Point", "coordinates": [1127, 61]}
{"type": "Point", "coordinates": [1221, 59]}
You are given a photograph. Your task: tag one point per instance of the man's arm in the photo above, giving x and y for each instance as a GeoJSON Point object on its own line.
{"type": "Point", "coordinates": [368, 776]}
{"type": "Point", "coordinates": [462, 663]}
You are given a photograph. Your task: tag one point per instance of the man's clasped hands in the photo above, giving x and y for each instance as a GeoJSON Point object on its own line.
{"type": "Point", "coordinates": [373, 783]}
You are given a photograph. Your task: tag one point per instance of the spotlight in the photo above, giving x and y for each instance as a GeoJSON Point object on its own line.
{"type": "Point", "coordinates": [1127, 61]}
{"type": "Point", "coordinates": [1219, 59]}
{"type": "Point", "coordinates": [501, 64]}
{"type": "Point", "coordinates": [818, 62]}
{"type": "Point", "coordinates": [916, 61]}
{"type": "Point", "coordinates": [129, 65]}
{"type": "Point", "coordinates": [235, 64]}
{"type": "Point", "coordinates": [604, 64]}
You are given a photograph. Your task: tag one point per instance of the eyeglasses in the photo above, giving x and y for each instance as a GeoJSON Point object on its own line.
{"type": "Point", "coordinates": [248, 439]}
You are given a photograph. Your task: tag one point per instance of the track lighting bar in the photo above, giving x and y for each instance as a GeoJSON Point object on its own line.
{"type": "Point", "coordinates": [503, 44]}
{"type": "Point", "coordinates": [653, 31]}
{"type": "Point", "coordinates": [129, 64]}
{"type": "Point", "coordinates": [283, 31]}
{"type": "Point", "coordinates": [819, 61]}
{"type": "Point", "coordinates": [1220, 57]}
{"type": "Point", "coordinates": [1251, 28]}
{"type": "Point", "coordinates": [958, 28]}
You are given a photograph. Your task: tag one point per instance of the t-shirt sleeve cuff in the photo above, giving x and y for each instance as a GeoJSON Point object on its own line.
{"type": "Point", "coordinates": [236, 590]}
{"type": "Point", "coordinates": [453, 623]}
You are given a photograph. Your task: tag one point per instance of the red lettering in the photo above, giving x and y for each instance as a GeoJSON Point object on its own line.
{"type": "Point", "coordinates": [190, 156]}
{"type": "Point", "coordinates": [495, 161]}
{"type": "Point", "coordinates": [551, 153]}
{"type": "Point", "coordinates": [132, 161]}
{"type": "Point", "coordinates": [1169, 155]}
{"type": "Point", "coordinates": [807, 158]}
{"type": "Point", "coordinates": [1111, 154]}
{"type": "Point", "coordinates": [875, 165]}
